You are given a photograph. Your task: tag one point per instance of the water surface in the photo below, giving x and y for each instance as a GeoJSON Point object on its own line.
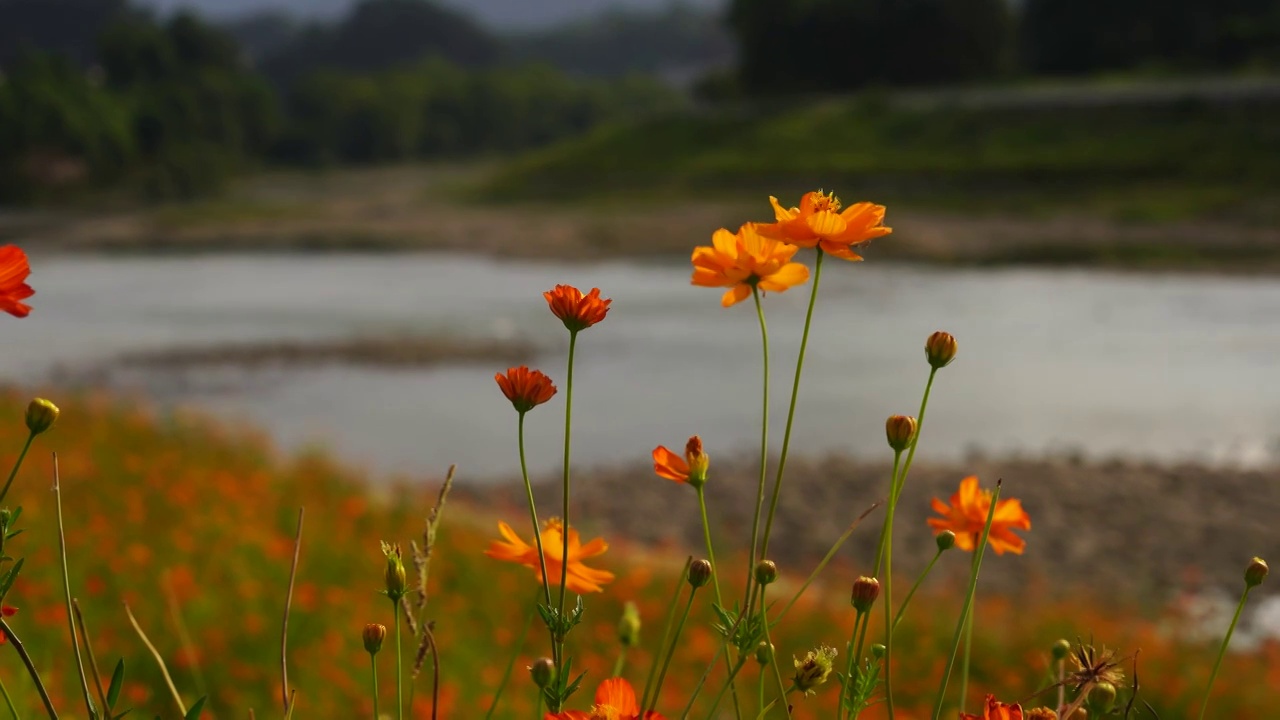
{"type": "Point", "coordinates": [1168, 367]}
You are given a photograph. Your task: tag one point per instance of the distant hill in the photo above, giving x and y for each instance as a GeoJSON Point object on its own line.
{"type": "Point", "coordinates": [497, 14]}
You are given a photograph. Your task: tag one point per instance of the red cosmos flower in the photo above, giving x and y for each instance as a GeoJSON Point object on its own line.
{"type": "Point", "coordinates": [525, 388]}
{"type": "Point", "coordinates": [13, 287]}
{"type": "Point", "coordinates": [575, 310]}
{"type": "Point", "coordinates": [7, 611]}
{"type": "Point", "coordinates": [996, 710]}
{"type": "Point", "coordinates": [615, 700]}
{"type": "Point", "coordinates": [691, 469]}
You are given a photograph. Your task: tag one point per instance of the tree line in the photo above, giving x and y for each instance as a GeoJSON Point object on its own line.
{"type": "Point", "coordinates": [838, 45]}
{"type": "Point", "coordinates": [175, 107]}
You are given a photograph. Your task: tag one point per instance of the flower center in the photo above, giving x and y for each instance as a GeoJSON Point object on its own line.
{"type": "Point", "coordinates": [826, 201]}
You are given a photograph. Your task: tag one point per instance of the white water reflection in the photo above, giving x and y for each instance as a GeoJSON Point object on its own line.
{"type": "Point", "coordinates": [1167, 367]}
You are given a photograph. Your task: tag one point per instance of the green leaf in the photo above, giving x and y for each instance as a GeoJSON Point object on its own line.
{"type": "Point", "coordinates": [9, 577]}
{"type": "Point", "coordinates": [194, 712]}
{"type": "Point", "coordinates": [117, 682]}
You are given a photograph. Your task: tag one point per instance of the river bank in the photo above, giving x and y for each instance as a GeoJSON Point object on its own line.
{"type": "Point", "coordinates": [421, 208]}
{"type": "Point", "coordinates": [1116, 528]}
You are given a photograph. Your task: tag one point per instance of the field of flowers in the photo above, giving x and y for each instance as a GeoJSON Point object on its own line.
{"type": "Point", "coordinates": [191, 526]}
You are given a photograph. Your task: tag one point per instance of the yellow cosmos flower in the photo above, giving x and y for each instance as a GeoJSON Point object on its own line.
{"type": "Point", "coordinates": [744, 261]}
{"type": "Point", "coordinates": [819, 222]}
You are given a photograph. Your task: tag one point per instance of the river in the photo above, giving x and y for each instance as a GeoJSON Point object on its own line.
{"type": "Point", "coordinates": [1167, 367]}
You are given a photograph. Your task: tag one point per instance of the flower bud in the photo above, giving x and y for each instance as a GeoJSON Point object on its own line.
{"type": "Point", "coordinates": [1060, 649]}
{"type": "Point", "coordinates": [698, 461]}
{"type": "Point", "coordinates": [1079, 714]}
{"type": "Point", "coordinates": [814, 669]}
{"type": "Point", "coordinates": [543, 671]}
{"type": "Point", "coordinates": [41, 415]}
{"type": "Point", "coordinates": [865, 592]}
{"type": "Point", "coordinates": [877, 650]}
{"type": "Point", "coordinates": [940, 349]}
{"type": "Point", "coordinates": [1042, 713]}
{"type": "Point", "coordinates": [766, 572]}
{"type": "Point", "coordinates": [1102, 696]}
{"type": "Point", "coordinates": [394, 576]}
{"type": "Point", "coordinates": [629, 626]}
{"type": "Point", "coordinates": [1256, 572]}
{"type": "Point", "coordinates": [945, 540]}
{"type": "Point", "coordinates": [900, 430]}
{"type": "Point", "coordinates": [373, 636]}
{"type": "Point", "coordinates": [764, 653]}
{"type": "Point", "coordinates": [699, 573]}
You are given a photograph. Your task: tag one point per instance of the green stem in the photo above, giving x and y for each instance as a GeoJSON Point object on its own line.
{"type": "Point", "coordinates": [711, 553]}
{"type": "Point", "coordinates": [564, 528]}
{"type": "Point", "coordinates": [620, 663]}
{"type": "Point", "coordinates": [399, 664]}
{"type": "Point", "coordinates": [897, 618]}
{"type": "Point", "coordinates": [511, 662]}
{"type": "Point", "coordinates": [822, 565]}
{"type": "Point", "coordinates": [760, 685]}
{"type": "Point", "coordinates": [886, 544]}
{"type": "Point", "coordinates": [13, 711]}
{"type": "Point", "coordinates": [537, 537]}
{"type": "Point", "coordinates": [666, 631]}
{"type": "Point", "coordinates": [978, 552]}
{"type": "Point", "coordinates": [31, 667]}
{"type": "Point", "coordinates": [14, 472]}
{"type": "Point", "coordinates": [777, 671]}
{"type": "Point", "coordinates": [671, 651]}
{"type": "Point", "coordinates": [846, 690]}
{"type": "Point", "coordinates": [697, 689]}
{"type": "Point", "coordinates": [764, 450]}
{"type": "Point", "coordinates": [964, 661]}
{"type": "Point", "coordinates": [1222, 652]}
{"type": "Point", "coordinates": [724, 688]}
{"type": "Point", "coordinates": [791, 412]}
{"type": "Point", "coordinates": [66, 588]}
{"type": "Point", "coordinates": [373, 665]}
{"type": "Point", "coordinates": [1062, 685]}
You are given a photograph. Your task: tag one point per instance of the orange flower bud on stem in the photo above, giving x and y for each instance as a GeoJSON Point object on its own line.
{"type": "Point", "coordinates": [1254, 574]}
{"type": "Point", "coordinates": [940, 349]}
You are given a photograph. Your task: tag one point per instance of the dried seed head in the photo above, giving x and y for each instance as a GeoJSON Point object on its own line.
{"type": "Point", "coordinates": [814, 669]}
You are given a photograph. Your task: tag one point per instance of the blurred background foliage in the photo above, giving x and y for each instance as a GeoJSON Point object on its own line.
{"type": "Point", "coordinates": [173, 105]}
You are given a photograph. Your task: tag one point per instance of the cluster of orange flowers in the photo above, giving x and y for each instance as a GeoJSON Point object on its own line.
{"type": "Point", "coordinates": [758, 256]}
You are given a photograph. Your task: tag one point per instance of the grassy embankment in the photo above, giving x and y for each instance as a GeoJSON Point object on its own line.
{"type": "Point", "coordinates": [191, 523]}
{"type": "Point", "coordinates": [1170, 185]}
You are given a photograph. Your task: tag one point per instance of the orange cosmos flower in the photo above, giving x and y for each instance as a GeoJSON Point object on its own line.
{"type": "Point", "coordinates": [996, 710]}
{"type": "Point", "coordinates": [615, 700]}
{"type": "Point", "coordinates": [967, 515]}
{"type": "Point", "coordinates": [525, 388]}
{"type": "Point", "coordinates": [744, 261]}
{"type": "Point", "coordinates": [575, 310]}
{"type": "Point", "coordinates": [818, 222]}
{"type": "Point", "coordinates": [581, 579]}
{"type": "Point", "coordinates": [691, 469]}
{"type": "Point", "coordinates": [13, 275]}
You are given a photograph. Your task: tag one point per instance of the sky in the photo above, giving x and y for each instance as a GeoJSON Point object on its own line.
{"type": "Point", "coordinates": [499, 14]}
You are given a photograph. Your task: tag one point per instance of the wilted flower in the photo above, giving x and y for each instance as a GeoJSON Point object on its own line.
{"type": "Point", "coordinates": [819, 222]}
{"type": "Point", "coordinates": [575, 310]}
{"type": "Point", "coordinates": [745, 261]}
{"type": "Point", "coordinates": [966, 516]}
{"type": "Point", "coordinates": [1093, 665]}
{"type": "Point", "coordinates": [814, 669]}
{"type": "Point", "coordinates": [580, 579]}
{"type": "Point", "coordinates": [692, 468]}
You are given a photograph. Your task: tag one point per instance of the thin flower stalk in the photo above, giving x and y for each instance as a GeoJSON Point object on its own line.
{"type": "Point", "coordinates": [791, 411]}
{"type": "Point", "coordinates": [964, 659]}
{"type": "Point", "coordinates": [568, 430]}
{"type": "Point", "coordinates": [373, 687]}
{"type": "Point", "coordinates": [511, 662]}
{"type": "Point", "coordinates": [777, 671]}
{"type": "Point", "coordinates": [1222, 652]}
{"type": "Point", "coordinates": [90, 709]}
{"type": "Point", "coordinates": [897, 618]}
{"type": "Point", "coordinates": [978, 552]}
{"type": "Point", "coordinates": [826, 559]}
{"type": "Point", "coordinates": [17, 464]}
{"type": "Point", "coordinates": [671, 651]}
{"type": "Point", "coordinates": [537, 531]}
{"type": "Point", "coordinates": [764, 449]}
{"type": "Point", "coordinates": [886, 544]}
{"type": "Point", "coordinates": [21, 649]}
{"type": "Point", "coordinates": [8, 702]}
{"type": "Point", "coordinates": [666, 632]}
